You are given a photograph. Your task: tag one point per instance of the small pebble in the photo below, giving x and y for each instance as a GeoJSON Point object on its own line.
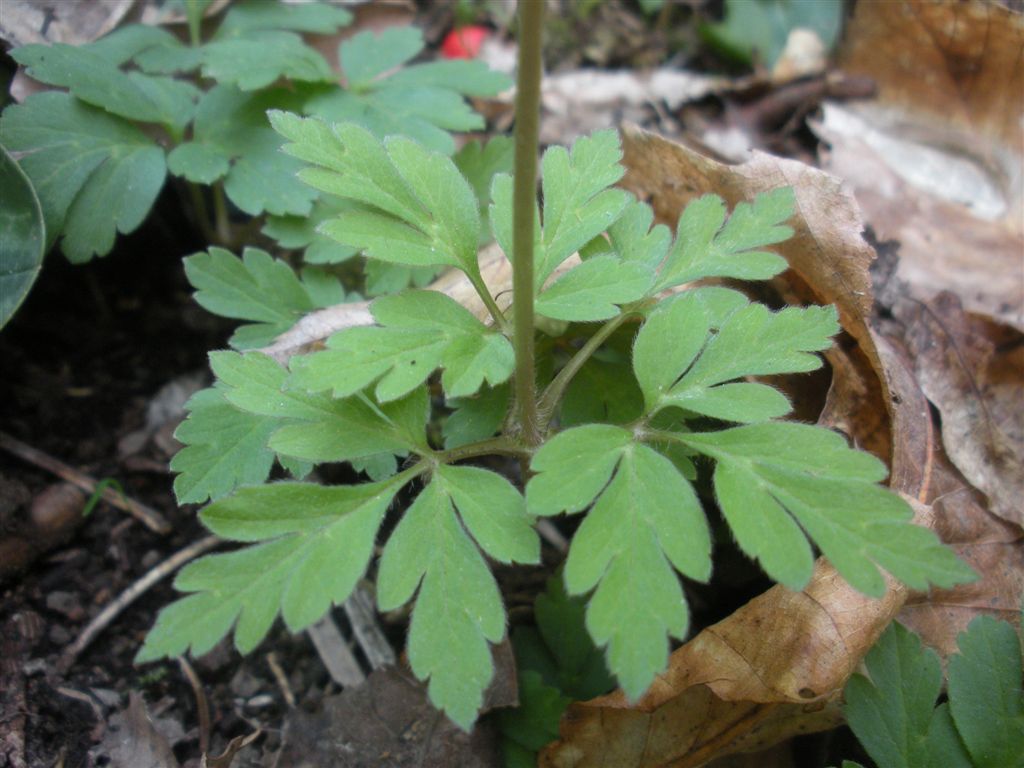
{"type": "Point", "coordinates": [65, 603]}
{"type": "Point", "coordinates": [59, 635]}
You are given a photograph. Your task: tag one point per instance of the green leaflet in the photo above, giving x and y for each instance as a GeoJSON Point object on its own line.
{"type": "Point", "coordinates": [95, 173]}
{"type": "Point", "coordinates": [231, 134]}
{"type": "Point", "coordinates": [775, 481]}
{"type": "Point", "coordinates": [985, 696]}
{"type": "Point", "coordinates": [99, 82]}
{"type": "Point", "coordinates": [578, 204]}
{"type": "Point", "coordinates": [679, 362]}
{"type": "Point", "coordinates": [557, 663]}
{"type": "Point", "coordinates": [300, 232]}
{"type": "Point", "coordinates": [261, 58]}
{"type": "Point", "coordinates": [320, 429]}
{"type": "Point", "coordinates": [257, 288]}
{"type": "Point", "coordinates": [709, 246]}
{"type": "Point", "coordinates": [296, 571]}
{"type": "Point", "coordinates": [480, 164]}
{"type": "Point", "coordinates": [428, 212]}
{"type": "Point", "coordinates": [419, 331]}
{"type": "Point", "coordinates": [421, 101]}
{"type": "Point", "coordinates": [458, 610]}
{"type": "Point", "coordinates": [648, 513]}
{"type": "Point", "coordinates": [591, 291]}
{"type": "Point", "coordinates": [321, 18]}
{"type": "Point", "coordinates": [893, 712]}
{"type": "Point", "coordinates": [21, 248]}
{"type": "Point", "coordinates": [634, 240]}
{"type": "Point", "coordinates": [224, 448]}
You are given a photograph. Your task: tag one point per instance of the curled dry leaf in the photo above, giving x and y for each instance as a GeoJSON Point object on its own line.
{"type": "Point", "coordinates": [936, 159]}
{"type": "Point", "coordinates": [774, 668]}
{"type": "Point", "coordinates": [990, 545]}
{"type": "Point", "coordinates": [972, 369]}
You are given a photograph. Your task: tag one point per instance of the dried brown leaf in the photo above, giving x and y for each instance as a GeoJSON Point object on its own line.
{"type": "Point", "coordinates": [936, 160]}
{"type": "Point", "coordinates": [993, 547]}
{"type": "Point", "coordinates": [132, 741]}
{"type": "Point", "coordinates": [972, 370]}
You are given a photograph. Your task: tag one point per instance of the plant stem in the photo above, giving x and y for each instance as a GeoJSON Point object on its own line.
{"type": "Point", "coordinates": [485, 295]}
{"type": "Point", "coordinates": [482, 448]}
{"type": "Point", "coordinates": [556, 388]}
{"type": "Point", "coordinates": [220, 211]}
{"type": "Point", "coordinates": [531, 14]}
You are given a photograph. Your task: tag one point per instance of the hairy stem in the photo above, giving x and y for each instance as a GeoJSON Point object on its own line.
{"type": "Point", "coordinates": [556, 388]}
{"type": "Point", "coordinates": [502, 445]}
{"type": "Point", "coordinates": [531, 14]}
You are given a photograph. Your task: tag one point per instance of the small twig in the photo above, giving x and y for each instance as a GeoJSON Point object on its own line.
{"type": "Point", "coordinates": [363, 618]}
{"type": "Point", "coordinates": [552, 535]}
{"type": "Point", "coordinates": [334, 652]}
{"type": "Point", "coordinates": [281, 678]}
{"type": "Point", "coordinates": [144, 514]}
{"type": "Point", "coordinates": [202, 705]}
{"type": "Point", "coordinates": [126, 598]}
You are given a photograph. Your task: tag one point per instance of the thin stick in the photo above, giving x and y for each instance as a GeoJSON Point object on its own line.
{"type": "Point", "coordinates": [148, 516]}
{"type": "Point", "coordinates": [202, 705]}
{"type": "Point", "coordinates": [126, 598]}
{"type": "Point", "coordinates": [282, 679]}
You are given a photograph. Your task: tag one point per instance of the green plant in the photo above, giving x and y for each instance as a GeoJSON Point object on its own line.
{"type": "Point", "coordinates": [140, 104]}
{"type": "Point", "coordinates": [686, 362]}
{"type": "Point", "coordinates": [893, 713]}
{"type": "Point", "coordinates": [556, 663]}
{"type": "Point", "coordinates": [21, 248]}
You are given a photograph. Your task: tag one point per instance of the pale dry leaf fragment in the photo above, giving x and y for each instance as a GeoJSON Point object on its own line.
{"type": "Point", "coordinates": [963, 236]}
{"type": "Point", "coordinates": [134, 742]}
{"type": "Point", "coordinates": [972, 370]}
{"type": "Point", "coordinates": [937, 160]}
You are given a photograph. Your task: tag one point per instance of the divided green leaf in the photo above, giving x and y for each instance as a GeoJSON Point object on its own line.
{"type": "Point", "coordinates": [892, 710]}
{"type": "Point", "coordinates": [426, 212]}
{"type": "Point", "coordinates": [681, 362]}
{"type": "Point", "coordinates": [709, 246]}
{"type": "Point", "coordinates": [95, 173]}
{"type": "Point", "coordinates": [231, 138]}
{"type": "Point", "coordinates": [224, 448]}
{"type": "Point", "coordinates": [21, 248]}
{"type": "Point", "coordinates": [97, 81]}
{"type": "Point", "coordinates": [779, 483]}
{"type": "Point", "coordinates": [295, 570]}
{"type": "Point", "coordinates": [458, 610]}
{"type": "Point", "coordinates": [387, 96]}
{"type": "Point", "coordinates": [419, 331]}
{"type": "Point", "coordinates": [257, 288]}
{"type": "Point", "coordinates": [648, 513]}
{"type": "Point", "coordinates": [318, 428]}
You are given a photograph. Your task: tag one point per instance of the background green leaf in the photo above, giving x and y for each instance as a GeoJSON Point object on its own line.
{"type": "Point", "coordinates": [95, 173]}
{"type": "Point", "coordinates": [24, 236]}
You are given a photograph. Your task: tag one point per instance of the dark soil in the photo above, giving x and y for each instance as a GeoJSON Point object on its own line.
{"type": "Point", "coordinates": [82, 359]}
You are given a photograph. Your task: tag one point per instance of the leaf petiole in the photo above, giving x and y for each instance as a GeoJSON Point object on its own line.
{"type": "Point", "coordinates": [553, 394]}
